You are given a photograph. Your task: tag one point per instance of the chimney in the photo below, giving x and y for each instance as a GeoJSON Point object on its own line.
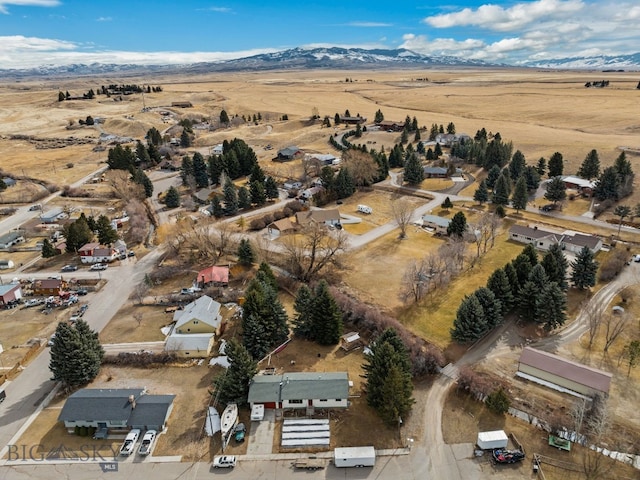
{"type": "Point", "coordinates": [132, 401]}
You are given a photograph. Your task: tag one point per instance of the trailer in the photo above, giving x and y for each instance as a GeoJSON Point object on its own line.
{"type": "Point", "coordinates": [354, 457]}
{"type": "Point", "coordinates": [492, 440]}
{"type": "Point", "coordinates": [308, 464]}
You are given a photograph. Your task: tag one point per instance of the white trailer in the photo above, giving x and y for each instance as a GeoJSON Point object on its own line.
{"type": "Point", "coordinates": [354, 457]}
{"type": "Point", "coordinates": [492, 440]}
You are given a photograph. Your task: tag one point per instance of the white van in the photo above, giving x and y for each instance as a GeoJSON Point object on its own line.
{"type": "Point", "coordinates": [365, 209]}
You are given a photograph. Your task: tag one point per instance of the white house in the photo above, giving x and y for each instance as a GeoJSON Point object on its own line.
{"type": "Point", "coordinates": [543, 239]}
{"type": "Point", "coordinates": [300, 390]}
{"type": "Point", "coordinates": [217, 149]}
{"type": "Point", "coordinates": [195, 329]}
{"type": "Point", "coordinates": [96, 253]}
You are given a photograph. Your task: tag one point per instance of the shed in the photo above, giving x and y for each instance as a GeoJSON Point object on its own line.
{"type": "Point", "coordinates": [281, 226]}
{"type": "Point", "coordinates": [350, 341]}
{"type": "Point", "coordinates": [6, 264]}
{"type": "Point", "coordinates": [493, 439]}
{"type": "Point", "coordinates": [562, 374]}
{"type": "Point", "coordinates": [10, 293]}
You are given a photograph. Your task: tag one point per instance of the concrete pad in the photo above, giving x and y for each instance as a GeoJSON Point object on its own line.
{"type": "Point", "coordinates": [462, 450]}
{"type": "Point", "coordinates": [261, 434]}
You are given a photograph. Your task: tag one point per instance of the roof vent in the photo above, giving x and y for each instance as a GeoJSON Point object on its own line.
{"type": "Point", "coordinates": [132, 401]}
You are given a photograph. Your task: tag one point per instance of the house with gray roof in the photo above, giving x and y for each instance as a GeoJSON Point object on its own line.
{"type": "Point", "coordinates": [10, 239]}
{"type": "Point", "coordinates": [300, 390]}
{"type": "Point", "coordinates": [118, 409]}
{"type": "Point", "coordinates": [574, 242]}
{"type": "Point", "coordinates": [329, 216]}
{"type": "Point", "coordinates": [437, 224]}
{"type": "Point", "coordinates": [195, 329]}
{"type": "Point", "coordinates": [543, 239]}
{"type": "Point", "coordinates": [435, 172]}
{"type": "Point", "coordinates": [51, 216]}
{"type": "Point", "coordinates": [289, 153]}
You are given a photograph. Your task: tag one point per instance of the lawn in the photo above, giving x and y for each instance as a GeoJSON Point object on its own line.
{"type": "Point", "coordinates": [124, 327]}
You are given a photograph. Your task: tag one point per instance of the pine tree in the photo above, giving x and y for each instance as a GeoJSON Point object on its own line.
{"type": "Point", "coordinates": [437, 150]}
{"type": "Point", "coordinates": [458, 225]}
{"type": "Point", "coordinates": [230, 198]}
{"type": "Point", "coordinates": [76, 354]}
{"type": "Point", "coordinates": [520, 195]}
{"type": "Point", "coordinates": [491, 306]}
{"type": "Point", "coordinates": [512, 276]}
{"type": "Point", "coordinates": [77, 234]}
{"type": "Point", "coordinates": [532, 177]}
{"type": "Point", "coordinates": [499, 284]}
{"type": "Point", "coordinates": [48, 250]}
{"type": "Point", "coordinates": [246, 255]}
{"type": "Point", "coordinates": [481, 194]}
{"type": "Point", "coordinates": [271, 188]}
{"type": "Point", "coordinates": [556, 165]}
{"type": "Point", "coordinates": [216, 207]}
{"type": "Point", "coordinates": [265, 274]}
{"type": "Point", "coordinates": [552, 309]}
{"type": "Point", "coordinates": [388, 375]}
{"type": "Point", "coordinates": [555, 265]}
{"type": "Point", "coordinates": [244, 198]}
{"type": "Point", "coordinates": [200, 171]}
{"type": "Point", "coordinates": [492, 176]}
{"type": "Point", "coordinates": [233, 385]}
{"type": "Point", "coordinates": [517, 165]}
{"type": "Point", "coordinates": [556, 190]}
{"type": "Point", "coordinates": [590, 167]}
{"type": "Point", "coordinates": [607, 185]}
{"type": "Point", "coordinates": [172, 198]}
{"type": "Point", "coordinates": [501, 191]}
{"type": "Point", "coordinates": [530, 295]}
{"type": "Point", "coordinates": [254, 337]}
{"type": "Point", "coordinates": [142, 154]}
{"type": "Point", "coordinates": [344, 185]}
{"type": "Point", "coordinates": [106, 233]}
{"type": "Point", "coordinates": [469, 324]}
{"type": "Point", "coordinates": [541, 167]}
{"type": "Point", "coordinates": [185, 139]}
{"type": "Point", "coordinates": [186, 170]}
{"type": "Point", "coordinates": [413, 171]}
{"type": "Point", "coordinates": [584, 269]}
{"type": "Point", "coordinates": [498, 402]}
{"type": "Point", "coordinates": [379, 116]}
{"type": "Point", "coordinates": [224, 117]}
{"type": "Point", "coordinates": [141, 178]}
{"type": "Point", "coordinates": [326, 317]}
{"type": "Point", "coordinates": [447, 204]}
{"type": "Point", "coordinates": [258, 195]}
{"type": "Point", "coordinates": [303, 306]}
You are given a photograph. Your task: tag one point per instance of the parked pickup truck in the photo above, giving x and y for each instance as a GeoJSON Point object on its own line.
{"type": "Point", "coordinates": [309, 464]}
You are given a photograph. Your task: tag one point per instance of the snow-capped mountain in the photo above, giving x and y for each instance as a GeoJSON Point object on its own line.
{"type": "Point", "coordinates": [603, 62]}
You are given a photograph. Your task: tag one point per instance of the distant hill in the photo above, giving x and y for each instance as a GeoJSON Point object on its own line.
{"type": "Point", "coordinates": [323, 58]}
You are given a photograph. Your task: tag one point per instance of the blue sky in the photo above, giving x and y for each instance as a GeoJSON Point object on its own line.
{"type": "Point", "coordinates": [37, 32]}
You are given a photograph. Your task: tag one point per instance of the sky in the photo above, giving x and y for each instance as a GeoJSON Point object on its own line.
{"type": "Point", "coordinates": [62, 32]}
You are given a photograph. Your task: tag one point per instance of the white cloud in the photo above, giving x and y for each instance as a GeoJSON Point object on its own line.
{"type": "Point", "coordinates": [28, 52]}
{"type": "Point", "coordinates": [104, 19]}
{"type": "Point", "coordinates": [27, 3]}
{"type": "Point", "coordinates": [220, 9]}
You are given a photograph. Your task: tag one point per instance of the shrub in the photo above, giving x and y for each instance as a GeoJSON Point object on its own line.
{"type": "Point", "coordinates": [613, 265]}
{"type": "Point", "coordinates": [498, 401]}
{"type": "Point", "coordinates": [257, 224]}
{"type": "Point", "coordinates": [70, 165]}
{"type": "Point", "coordinates": [142, 359]}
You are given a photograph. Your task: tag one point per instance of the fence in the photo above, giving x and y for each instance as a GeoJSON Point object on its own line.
{"type": "Point", "coordinates": [32, 352]}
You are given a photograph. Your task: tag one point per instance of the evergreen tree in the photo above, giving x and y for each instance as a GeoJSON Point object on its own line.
{"type": "Point", "coordinates": [451, 128]}
{"type": "Point", "coordinates": [48, 250]}
{"type": "Point", "coordinates": [532, 177]}
{"type": "Point", "coordinates": [590, 167]}
{"type": "Point", "coordinates": [230, 198]}
{"type": "Point", "coordinates": [541, 167]}
{"type": "Point", "coordinates": [265, 274]}
{"type": "Point", "coordinates": [622, 166]}
{"type": "Point", "coordinates": [417, 137]}
{"type": "Point", "coordinates": [336, 119]}
{"type": "Point", "coordinates": [185, 139]}
{"type": "Point", "coordinates": [216, 168]}
{"type": "Point", "coordinates": [481, 194]}
{"type": "Point", "coordinates": [469, 324]}
{"type": "Point", "coordinates": [379, 117]}
{"type": "Point", "coordinates": [216, 207]}
{"type": "Point", "coordinates": [233, 384]}
{"type": "Point", "coordinates": [437, 150]}
{"type": "Point", "coordinates": [326, 317]}
{"type": "Point", "coordinates": [520, 195]}
{"type": "Point", "coordinates": [141, 178]}
{"type": "Point", "coordinates": [224, 117]}
{"type": "Point", "coordinates": [244, 198]}
{"type": "Point", "coordinates": [200, 171]}
{"type": "Point", "coordinates": [154, 137]}
{"type": "Point", "coordinates": [522, 266]}
{"type": "Point", "coordinates": [530, 295]}
{"type": "Point", "coordinates": [607, 185]}
{"type": "Point", "coordinates": [172, 198]}
{"type": "Point", "coordinates": [552, 308]}
{"type": "Point", "coordinates": [76, 354]}
{"type": "Point", "coordinates": [344, 185]}
{"type": "Point", "coordinates": [556, 165]}
{"type": "Point", "coordinates": [246, 255]}
{"type": "Point", "coordinates": [413, 171]}
{"type": "Point", "coordinates": [492, 176]}
{"type": "Point", "coordinates": [530, 251]}
{"type": "Point", "coordinates": [142, 154]}
{"type": "Point", "coordinates": [512, 275]}
{"type": "Point", "coordinates": [154, 154]}
{"type": "Point", "coordinates": [447, 204]}
{"type": "Point", "coordinates": [499, 284]}
{"type": "Point", "coordinates": [555, 265]}
{"type": "Point", "coordinates": [186, 170]}
{"type": "Point", "coordinates": [491, 306]}
{"type": "Point", "coordinates": [584, 269]}
{"type": "Point", "coordinates": [258, 195]}
{"type": "Point", "coordinates": [61, 97]}
{"type": "Point", "coordinates": [77, 234]}
{"type": "Point", "coordinates": [119, 158]}
{"type": "Point", "coordinates": [257, 175]}
{"type": "Point", "coordinates": [303, 307]}
{"type": "Point", "coordinates": [254, 337]}
{"type": "Point", "coordinates": [501, 191]}
{"type": "Point", "coordinates": [498, 402]}
{"type": "Point", "coordinates": [271, 188]}
{"type": "Point", "coordinates": [458, 225]}
{"type": "Point", "coordinates": [517, 165]}
{"type": "Point", "coordinates": [556, 190]}
{"type": "Point", "coordinates": [433, 132]}
{"type": "Point", "coordinates": [106, 233]}
{"type": "Point", "coordinates": [388, 376]}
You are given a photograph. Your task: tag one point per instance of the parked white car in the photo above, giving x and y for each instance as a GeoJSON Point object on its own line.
{"type": "Point", "coordinates": [99, 266]}
{"type": "Point", "coordinates": [147, 442]}
{"type": "Point", "coordinates": [130, 442]}
{"type": "Point", "coordinates": [224, 461]}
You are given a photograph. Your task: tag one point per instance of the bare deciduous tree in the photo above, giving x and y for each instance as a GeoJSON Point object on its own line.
{"type": "Point", "coordinates": [402, 211]}
{"type": "Point", "coordinates": [485, 231]}
{"type": "Point", "coordinates": [594, 315]}
{"type": "Point", "coordinates": [453, 253]}
{"type": "Point", "coordinates": [361, 165]}
{"type": "Point", "coordinates": [124, 188]}
{"type": "Point", "coordinates": [614, 325]}
{"type": "Point", "coordinates": [311, 167]}
{"type": "Point", "coordinates": [415, 281]}
{"type": "Point", "coordinates": [140, 291]}
{"type": "Point", "coordinates": [313, 250]}
{"type": "Point", "coordinates": [138, 317]}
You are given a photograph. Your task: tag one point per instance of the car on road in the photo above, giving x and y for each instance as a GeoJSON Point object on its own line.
{"type": "Point", "coordinates": [37, 206]}
{"type": "Point", "coordinates": [81, 292]}
{"type": "Point", "coordinates": [51, 339]}
{"type": "Point", "coordinates": [190, 290]}
{"type": "Point", "coordinates": [82, 309]}
{"type": "Point", "coordinates": [224, 461]}
{"type": "Point", "coordinates": [69, 268]}
{"type": "Point", "coordinates": [636, 258]}
{"type": "Point", "coordinates": [507, 456]}
{"type": "Point", "coordinates": [130, 442]}
{"type": "Point", "coordinates": [98, 266]}
{"type": "Point", "coordinates": [147, 442]}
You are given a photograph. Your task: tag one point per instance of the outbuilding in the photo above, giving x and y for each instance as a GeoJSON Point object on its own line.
{"type": "Point", "coordinates": [10, 293]}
